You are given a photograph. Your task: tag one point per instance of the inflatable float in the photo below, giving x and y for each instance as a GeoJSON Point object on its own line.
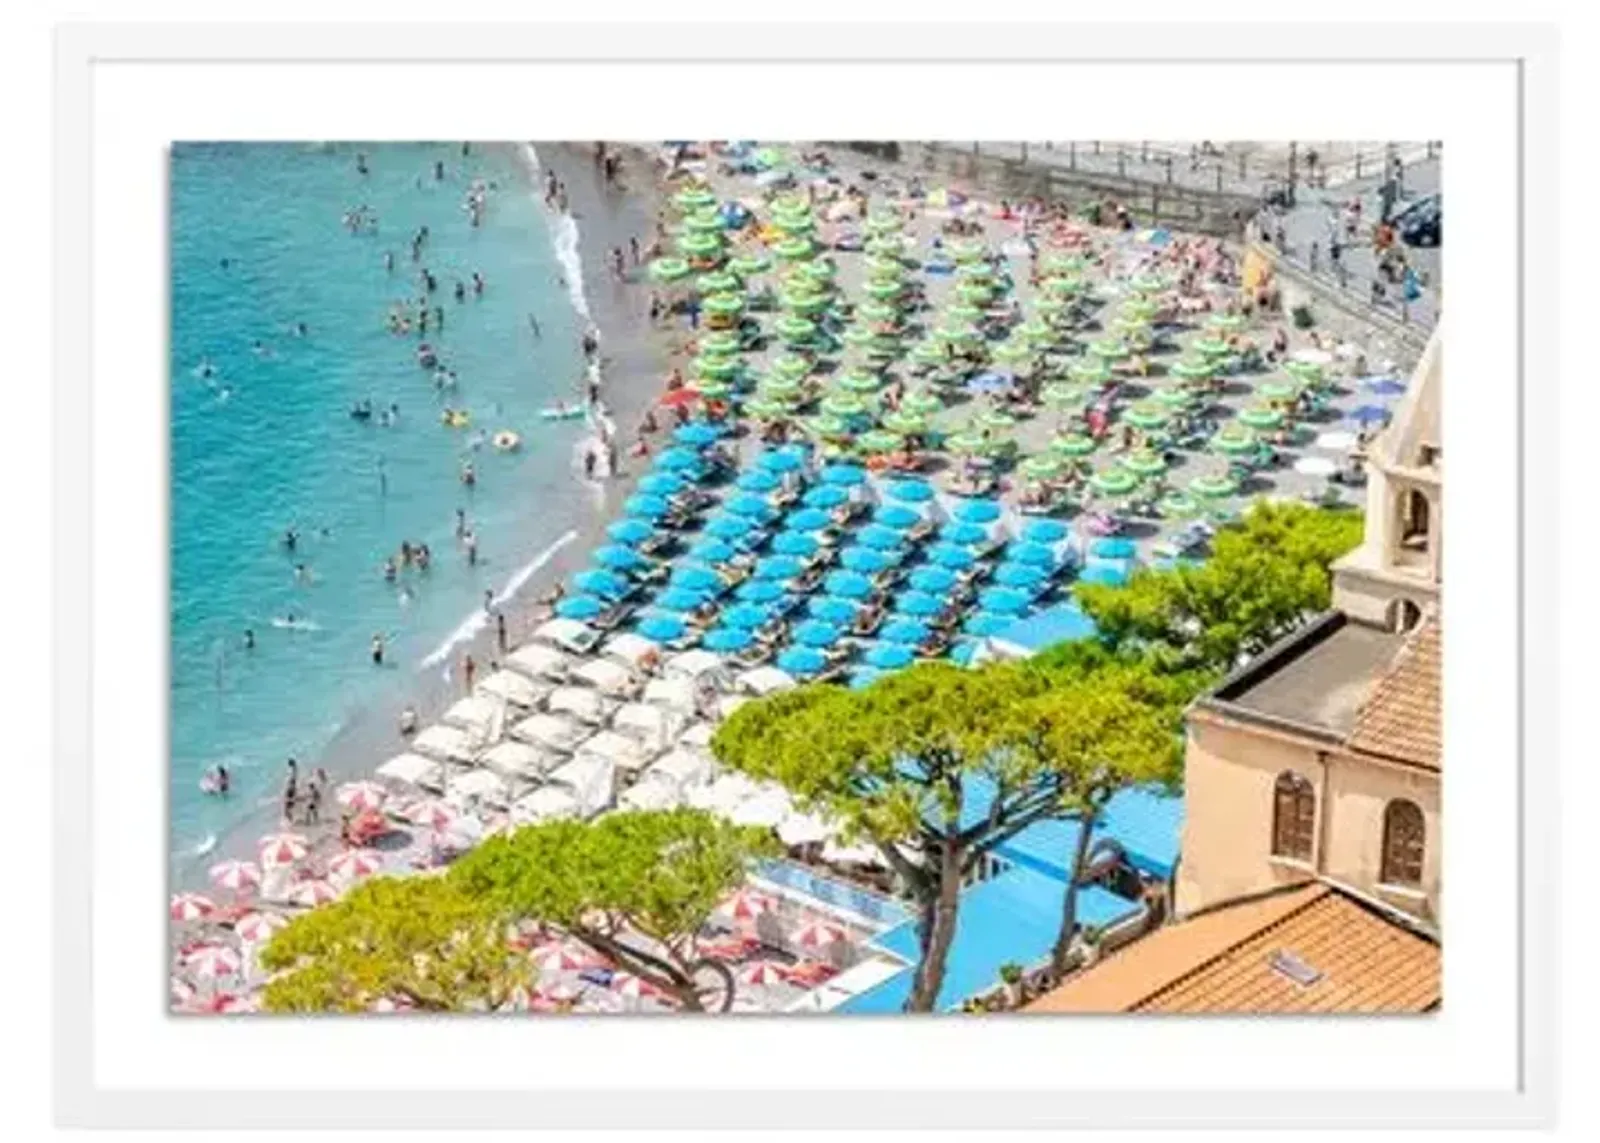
{"type": "Point", "coordinates": [455, 418]}
{"type": "Point", "coordinates": [507, 441]}
{"type": "Point", "coordinates": [561, 412]}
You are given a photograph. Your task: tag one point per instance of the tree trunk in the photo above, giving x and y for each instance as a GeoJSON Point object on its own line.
{"type": "Point", "coordinates": [937, 930]}
{"type": "Point", "coordinates": [1069, 906]}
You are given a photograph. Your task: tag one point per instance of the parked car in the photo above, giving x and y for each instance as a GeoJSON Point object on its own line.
{"type": "Point", "coordinates": [1421, 223]}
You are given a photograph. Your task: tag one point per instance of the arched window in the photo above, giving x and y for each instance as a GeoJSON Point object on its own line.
{"type": "Point", "coordinates": [1404, 836]}
{"type": "Point", "coordinates": [1294, 816]}
{"type": "Point", "coordinates": [1404, 615]}
{"type": "Point", "coordinates": [1416, 529]}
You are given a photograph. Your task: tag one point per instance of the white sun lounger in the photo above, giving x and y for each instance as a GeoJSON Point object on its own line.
{"type": "Point", "coordinates": [551, 731]}
{"type": "Point", "coordinates": [538, 661]}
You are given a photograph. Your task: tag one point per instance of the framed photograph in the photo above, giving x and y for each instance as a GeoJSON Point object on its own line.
{"type": "Point", "coordinates": [895, 620]}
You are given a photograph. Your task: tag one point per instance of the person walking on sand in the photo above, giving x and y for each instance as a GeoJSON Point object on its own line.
{"type": "Point", "coordinates": [469, 672]}
{"type": "Point", "coordinates": [501, 636]}
{"type": "Point", "coordinates": [291, 790]}
{"type": "Point", "coordinates": [314, 796]}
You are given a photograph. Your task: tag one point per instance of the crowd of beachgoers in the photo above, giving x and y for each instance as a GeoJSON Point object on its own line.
{"type": "Point", "coordinates": [897, 421]}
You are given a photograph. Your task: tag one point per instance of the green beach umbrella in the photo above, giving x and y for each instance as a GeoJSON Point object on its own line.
{"type": "Point", "coordinates": [793, 249]}
{"type": "Point", "coordinates": [713, 388]}
{"type": "Point", "coordinates": [901, 421]}
{"type": "Point", "coordinates": [829, 427]}
{"type": "Point", "coordinates": [722, 366]}
{"type": "Point", "coordinates": [1139, 308]}
{"type": "Point", "coordinates": [720, 343]}
{"type": "Point", "coordinates": [885, 267]}
{"type": "Point", "coordinates": [884, 345]}
{"type": "Point", "coordinates": [995, 419]}
{"type": "Point", "coordinates": [1041, 466]}
{"type": "Point", "coordinates": [779, 388]}
{"type": "Point", "coordinates": [1060, 395]}
{"type": "Point", "coordinates": [749, 264]}
{"type": "Point", "coordinates": [1235, 442]}
{"type": "Point", "coordinates": [858, 334]}
{"type": "Point", "coordinates": [1092, 371]}
{"type": "Point", "coordinates": [968, 251]}
{"type": "Point", "coordinates": [794, 223]}
{"type": "Point", "coordinates": [819, 271]}
{"type": "Point", "coordinates": [1225, 323]}
{"type": "Point", "coordinates": [803, 303]}
{"type": "Point", "coordinates": [971, 443]}
{"type": "Point", "coordinates": [704, 222]}
{"type": "Point", "coordinates": [1278, 390]}
{"type": "Point", "coordinates": [1192, 369]}
{"type": "Point", "coordinates": [1213, 487]}
{"type": "Point", "coordinates": [1013, 351]}
{"type": "Point", "coordinates": [974, 293]}
{"type": "Point", "coordinates": [1147, 283]}
{"type": "Point", "coordinates": [975, 272]}
{"type": "Point", "coordinates": [790, 203]}
{"type": "Point", "coordinates": [1034, 331]}
{"type": "Point", "coordinates": [1064, 263]}
{"type": "Point", "coordinates": [883, 223]}
{"type": "Point", "coordinates": [718, 282]}
{"type": "Point", "coordinates": [1144, 463]}
{"type": "Point", "coordinates": [1307, 371]}
{"type": "Point", "coordinates": [1213, 347]}
{"type": "Point", "coordinates": [949, 332]}
{"type": "Point", "coordinates": [768, 408]}
{"type": "Point", "coordinates": [700, 245]}
{"type": "Point", "coordinates": [1131, 327]}
{"type": "Point", "coordinates": [1114, 482]}
{"type": "Point", "coordinates": [1179, 506]}
{"type": "Point", "coordinates": [883, 291]}
{"type": "Point", "coordinates": [878, 313]}
{"type": "Point", "coordinates": [962, 312]}
{"type": "Point", "coordinates": [694, 198]}
{"type": "Point", "coordinates": [921, 402]}
{"type": "Point", "coordinates": [669, 269]}
{"type": "Point", "coordinates": [928, 353]}
{"type": "Point", "coordinates": [1049, 305]}
{"type": "Point", "coordinates": [1073, 444]}
{"type": "Point", "coordinates": [1173, 398]}
{"type": "Point", "coordinates": [792, 328]}
{"type": "Point", "coordinates": [844, 405]}
{"type": "Point", "coordinates": [880, 440]}
{"type": "Point", "coordinates": [791, 366]}
{"type": "Point", "coordinates": [884, 246]}
{"type": "Point", "coordinates": [858, 381]}
{"type": "Point", "coordinates": [1260, 417]}
{"type": "Point", "coordinates": [1062, 287]}
{"type": "Point", "coordinates": [723, 305]}
{"type": "Point", "coordinates": [1146, 416]}
{"type": "Point", "coordinates": [1109, 348]}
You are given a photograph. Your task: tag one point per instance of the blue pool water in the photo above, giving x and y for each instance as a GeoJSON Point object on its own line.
{"type": "Point", "coordinates": [267, 443]}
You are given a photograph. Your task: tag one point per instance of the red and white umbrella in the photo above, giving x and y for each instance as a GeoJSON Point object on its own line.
{"type": "Point", "coordinates": [237, 1005]}
{"type": "Point", "coordinates": [253, 928]}
{"type": "Point", "coordinates": [354, 864]}
{"type": "Point", "coordinates": [211, 962]}
{"type": "Point", "coordinates": [182, 991]}
{"type": "Point", "coordinates": [313, 893]}
{"type": "Point", "coordinates": [747, 905]}
{"type": "Point", "coordinates": [558, 956]}
{"type": "Point", "coordinates": [190, 907]}
{"type": "Point", "coordinates": [282, 849]}
{"type": "Point", "coordinates": [762, 974]}
{"type": "Point", "coordinates": [818, 935]}
{"type": "Point", "coordinates": [559, 992]}
{"type": "Point", "coordinates": [361, 796]}
{"type": "Point", "coordinates": [631, 987]}
{"type": "Point", "coordinates": [389, 1004]}
{"type": "Point", "coordinates": [236, 876]}
{"type": "Point", "coordinates": [434, 814]}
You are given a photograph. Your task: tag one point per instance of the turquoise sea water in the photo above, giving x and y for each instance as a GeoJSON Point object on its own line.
{"type": "Point", "coordinates": [267, 443]}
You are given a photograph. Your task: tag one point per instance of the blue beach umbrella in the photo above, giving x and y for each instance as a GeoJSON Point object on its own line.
{"type": "Point", "coordinates": [1004, 601]}
{"type": "Point", "coordinates": [977, 511]}
{"type": "Point", "coordinates": [580, 607]}
{"type": "Point", "coordinates": [646, 507]}
{"type": "Point", "coordinates": [795, 544]}
{"type": "Point", "coordinates": [808, 519]}
{"type": "Point", "coordinates": [662, 628]}
{"type": "Point", "coordinates": [851, 585]}
{"type": "Point", "coordinates": [1369, 414]}
{"type": "Point", "coordinates": [678, 460]}
{"type": "Point", "coordinates": [877, 536]}
{"type": "Point", "coordinates": [991, 382]}
{"type": "Point", "coordinates": [780, 460]}
{"type": "Point", "coordinates": [889, 656]}
{"type": "Point", "coordinates": [909, 491]}
{"type": "Point", "coordinates": [694, 577]}
{"type": "Point", "coordinates": [934, 580]}
{"type": "Point", "coordinates": [760, 591]}
{"type": "Point", "coordinates": [602, 583]}
{"type": "Point", "coordinates": [1113, 548]}
{"type": "Point", "coordinates": [919, 604]}
{"type": "Point", "coordinates": [962, 651]}
{"type": "Point", "coordinates": [1112, 574]}
{"type": "Point", "coordinates": [868, 561]}
{"type": "Point", "coordinates": [756, 481]}
{"type": "Point", "coordinates": [713, 551]}
{"type": "Point", "coordinates": [1036, 555]}
{"type": "Point", "coordinates": [746, 504]}
{"type": "Point", "coordinates": [965, 534]}
{"type": "Point", "coordinates": [630, 531]}
{"type": "Point", "coordinates": [896, 516]}
{"type": "Point", "coordinates": [825, 496]}
{"type": "Point", "coordinates": [680, 599]}
{"type": "Point", "coordinates": [904, 631]}
{"type": "Point", "coordinates": [1044, 531]}
{"type": "Point", "coordinates": [1384, 386]}
{"type": "Point", "coordinates": [815, 633]}
{"type": "Point", "coordinates": [833, 609]}
{"type": "Point", "coordinates": [1020, 575]}
{"type": "Point", "coordinates": [747, 616]}
{"type": "Point", "coordinates": [952, 557]}
{"type": "Point", "coordinates": [863, 677]}
{"type": "Point", "coordinates": [727, 639]}
{"type": "Point", "coordinates": [617, 557]}
{"type": "Point", "coordinates": [779, 568]}
{"type": "Point", "coordinates": [728, 528]}
{"type": "Point", "coordinates": [801, 661]}
{"type": "Point", "coordinates": [844, 475]}
{"type": "Point", "coordinates": [696, 434]}
{"type": "Point", "coordinates": [662, 484]}
{"type": "Point", "coordinates": [987, 623]}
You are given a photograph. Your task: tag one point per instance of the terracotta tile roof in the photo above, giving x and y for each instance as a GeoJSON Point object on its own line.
{"type": "Point", "coordinates": [1224, 961]}
{"type": "Point", "coordinates": [1400, 718]}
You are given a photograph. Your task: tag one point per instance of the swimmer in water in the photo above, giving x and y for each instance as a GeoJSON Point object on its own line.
{"type": "Point", "coordinates": [205, 368]}
{"type": "Point", "coordinates": [377, 650]}
{"type": "Point", "coordinates": [389, 570]}
{"type": "Point", "coordinates": [461, 522]}
{"type": "Point", "coordinates": [469, 476]}
{"type": "Point", "coordinates": [477, 283]}
{"type": "Point", "coordinates": [361, 162]}
{"type": "Point", "coordinates": [388, 261]}
{"type": "Point", "coordinates": [249, 639]}
{"type": "Point", "coordinates": [461, 291]}
{"type": "Point", "coordinates": [290, 538]}
{"type": "Point", "coordinates": [302, 574]}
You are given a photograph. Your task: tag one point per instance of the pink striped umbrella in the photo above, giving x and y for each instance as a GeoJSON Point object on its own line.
{"type": "Point", "coordinates": [212, 962]}
{"type": "Point", "coordinates": [818, 935]}
{"type": "Point", "coordinates": [354, 864]}
{"type": "Point", "coordinates": [762, 974]}
{"type": "Point", "coordinates": [282, 849]}
{"type": "Point", "coordinates": [313, 893]}
{"type": "Point", "coordinates": [254, 928]}
{"type": "Point", "coordinates": [361, 796]}
{"type": "Point", "coordinates": [191, 907]}
{"type": "Point", "coordinates": [747, 905]}
{"type": "Point", "coordinates": [558, 956]}
{"type": "Point", "coordinates": [433, 814]}
{"type": "Point", "coordinates": [390, 1004]}
{"type": "Point", "coordinates": [630, 987]}
{"type": "Point", "coordinates": [236, 876]}
{"type": "Point", "coordinates": [182, 991]}
{"type": "Point", "coordinates": [237, 1005]}
{"type": "Point", "coordinates": [561, 991]}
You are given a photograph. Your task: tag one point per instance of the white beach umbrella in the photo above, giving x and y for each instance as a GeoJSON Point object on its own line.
{"type": "Point", "coordinates": [762, 974]}
{"type": "Point", "coordinates": [581, 703]}
{"type": "Point", "coordinates": [803, 829]}
{"type": "Point", "coordinates": [519, 690]}
{"type": "Point", "coordinates": [446, 743]}
{"type": "Point", "coordinates": [727, 704]}
{"type": "Point", "coordinates": [213, 962]}
{"type": "Point", "coordinates": [361, 796]}
{"type": "Point", "coordinates": [190, 907]}
{"type": "Point", "coordinates": [863, 855]}
{"type": "Point", "coordinates": [651, 726]}
{"type": "Point", "coordinates": [1337, 440]}
{"type": "Point", "coordinates": [235, 876]}
{"type": "Point", "coordinates": [538, 661]}
{"type": "Point", "coordinates": [473, 714]}
{"type": "Point", "coordinates": [673, 694]}
{"type": "Point", "coordinates": [692, 665]}
{"type": "Point", "coordinates": [651, 794]}
{"type": "Point", "coordinates": [568, 635]}
{"type": "Point", "coordinates": [517, 760]}
{"type": "Point", "coordinates": [558, 732]}
{"type": "Point", "coordinates": [310, 894]}
{"type": "Point", "coordinates": [766, 810]}
{"type": "Point", "coordinates": [592, 779]}
{"type": "Point", "coordinates": [746, 905]}
{"type": "Point", "coordinates": [547, 803]}
{"type": "Point", "coordinates": [1315, 466]}
{"type": "Point", "coordinates": [479, 785]}
{"type": "Point", "coordinates": [253, 928]}
{"type": "Point", "coordinates": [433, 814]}
{"type": "Point", "coordinates": [697, 735]}
{"type": "Point", "coordinates": [682, 768]}
{"type": "Point", "coordinates": [354, 864]}
{"type": "Point", "coordinates": [282, 849]}
{"type": "Point", "coordinates": [606, 676]}
{"type": "Point", "coordinates": [634, 651]}
{"type": "Point", "coordinates": [413, 770]}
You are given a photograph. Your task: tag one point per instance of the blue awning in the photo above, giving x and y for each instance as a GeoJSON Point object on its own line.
{"type": "Point", "coordinates": [1054, 625]}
